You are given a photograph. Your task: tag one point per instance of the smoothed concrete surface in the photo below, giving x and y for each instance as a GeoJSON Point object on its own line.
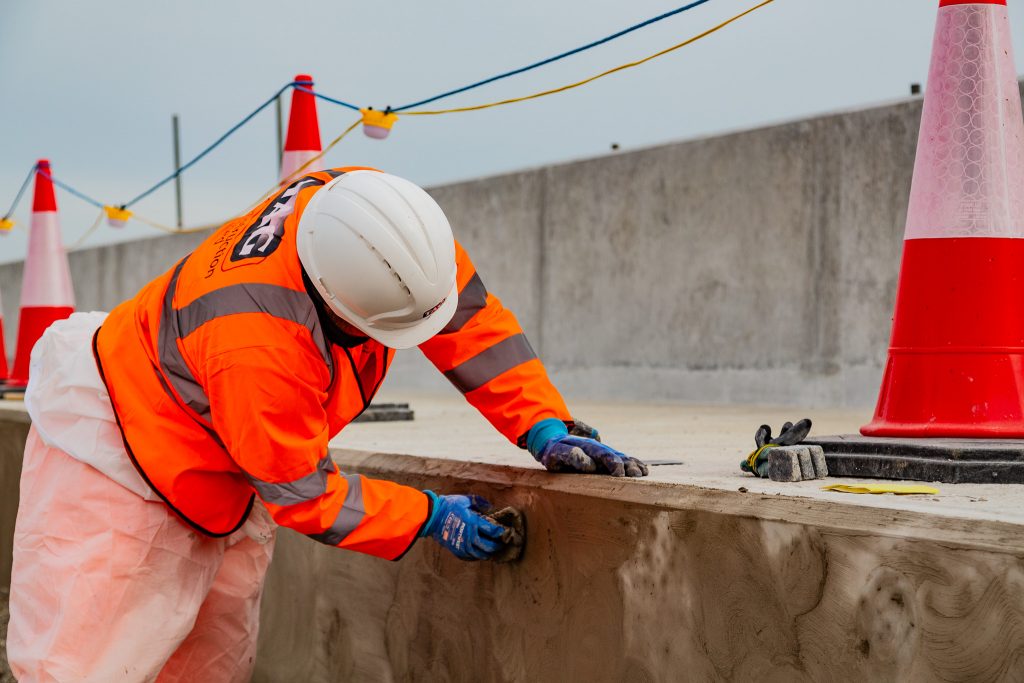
{"type": "Point", "coordinates": [709, 439]}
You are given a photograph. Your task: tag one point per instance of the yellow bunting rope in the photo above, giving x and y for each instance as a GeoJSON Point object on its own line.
{"type": "Point", "coordinates": [434, 112]}
{"type": "Point", "coordinates": [263, 197]}
{"type": "Point", "coordinates": [174, 230]}
{"type": "Point", "coordinates": [297, 173]}
{"type": "Point", "coordinates": [85, 235]}
{"type": "Point", "coordinates": [386, 120]}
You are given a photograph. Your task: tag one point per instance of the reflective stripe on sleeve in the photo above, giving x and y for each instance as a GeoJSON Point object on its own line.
{"type": "Point", "coordinates": [302, 490]}
{"type": "Point", "coordinates": [491, 362]}
{"type": "Point", "coordinates": [350, 515]}
{"type": "Point", "coordinates": [472, 299]}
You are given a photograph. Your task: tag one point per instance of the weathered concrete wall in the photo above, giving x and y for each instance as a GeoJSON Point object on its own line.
{"type": "Point", "coordinates": [638, 581]}
{"type": "Point", "coordinates": [753, 267]}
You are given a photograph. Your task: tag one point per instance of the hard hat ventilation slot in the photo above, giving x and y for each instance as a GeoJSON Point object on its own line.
{"type": "Point", "coordinates": [387, 264]}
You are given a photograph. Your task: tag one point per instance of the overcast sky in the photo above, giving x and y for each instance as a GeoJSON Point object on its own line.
{"type": "Point", "coordinates": [92, 85]}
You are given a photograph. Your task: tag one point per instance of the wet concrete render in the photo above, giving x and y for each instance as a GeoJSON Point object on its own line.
{"type": "Point", "coordinates": [698, 572]}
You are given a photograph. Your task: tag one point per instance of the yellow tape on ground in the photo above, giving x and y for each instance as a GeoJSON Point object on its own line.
{"type": "Point", "coordinates": [898, 489]}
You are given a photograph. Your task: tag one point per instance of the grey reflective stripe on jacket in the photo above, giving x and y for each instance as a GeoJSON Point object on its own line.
{"type": "Point", "coordinates": [179, 323]}
{"type": "Point", "coordinates": [472, 300]}
{"type": "Point", "coordinates": [350, 515]}
{"type": "Point", "coordinates": [302, 490]}
{"type": "Point", "coordinates": [482, 368]}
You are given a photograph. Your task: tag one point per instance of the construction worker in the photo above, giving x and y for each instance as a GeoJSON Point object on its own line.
{"type": "Point", "coordinates": [171, 437]}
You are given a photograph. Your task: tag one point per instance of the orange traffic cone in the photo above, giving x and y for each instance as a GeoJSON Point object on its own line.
{"type": "Point", "coordinates": [46, 293]}
{"type": "Point", "coordinates": [956, 359]}
{"type": "Point", "coordinates": [302, 142]}
{"type": "Point", "coordinates": [4, 371]}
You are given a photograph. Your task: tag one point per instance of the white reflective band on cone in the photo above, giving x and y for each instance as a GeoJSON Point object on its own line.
{"type": "Point", "coordinates": [969, 173]}
{"type": "Point", "coordinates": [47, 280]}
{"type": "Point", "coordinates": [292, 161]}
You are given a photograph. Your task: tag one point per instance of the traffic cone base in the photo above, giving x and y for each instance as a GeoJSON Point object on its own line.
{"type": "Point", "coordinates": [4, 370]}
{"type": "Point", "coordinates": [32, 322]}
{"type": "Point", "coordinates": [971, 383]}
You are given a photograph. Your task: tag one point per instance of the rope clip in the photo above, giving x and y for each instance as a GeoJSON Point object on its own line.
{"type": "Point", "coordinates": [377, 124]}
{"type": "Point", "coordinates": [117, 216]}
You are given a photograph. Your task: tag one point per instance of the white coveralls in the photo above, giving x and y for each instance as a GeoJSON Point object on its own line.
{"type": "Point", "coordinates": [108, 584]}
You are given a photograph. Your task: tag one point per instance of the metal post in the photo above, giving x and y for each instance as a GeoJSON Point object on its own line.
{"type": "Point", "coordinates": [177, 166]}
{"type": "Point", "coordinates": [280, 134]}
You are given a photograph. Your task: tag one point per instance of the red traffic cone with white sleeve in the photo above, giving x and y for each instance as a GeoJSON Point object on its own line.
{"type": "Point", "coordinates": [46, 293]}
{"type": "Point", "coordinates": [4, 370]}
{"type": "Point", "coordinates": [956, 358]}
{"type": "Point", "coordinates": [302, 141]}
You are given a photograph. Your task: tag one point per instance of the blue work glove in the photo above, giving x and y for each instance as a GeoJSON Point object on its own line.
{"type": "Point", "coordinates": [551, 445]}
{"type": "Point", "coordinates": [457, 524]}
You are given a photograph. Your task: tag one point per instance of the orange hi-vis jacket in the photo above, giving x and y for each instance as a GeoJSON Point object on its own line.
{"type": "Point", "coordinates": [226, 385]}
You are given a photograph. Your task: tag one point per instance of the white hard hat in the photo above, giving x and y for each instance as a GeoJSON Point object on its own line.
{"type": "Point", "coordinates": [381, 254]}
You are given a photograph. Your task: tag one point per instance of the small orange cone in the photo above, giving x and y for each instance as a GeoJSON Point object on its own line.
{"type": "Point", "coordinates": [4, 370]}
{"type": "Point", "coordinates": [302, 142]}
{"type": "Point", "coordinates": [956, 359]}
{"type": "Point", "coordinates": [46, 294]}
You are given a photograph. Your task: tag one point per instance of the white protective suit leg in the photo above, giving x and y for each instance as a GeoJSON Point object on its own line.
{"type": "Point", "coordinates": [106, 586]}
{"type": "Point", "coordinates": [222, 644]}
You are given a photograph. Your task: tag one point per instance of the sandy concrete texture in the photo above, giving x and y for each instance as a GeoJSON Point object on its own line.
{"type": "Point", "coordinates": [648, 581]}
{"type": "Point", "coordinates": [754, 267]}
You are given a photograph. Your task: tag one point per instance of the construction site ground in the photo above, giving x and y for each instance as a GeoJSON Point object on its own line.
{"type": "Point", "coordinates": [710, 440]}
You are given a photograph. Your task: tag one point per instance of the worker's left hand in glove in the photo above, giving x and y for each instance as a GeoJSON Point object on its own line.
{"type": "Point", "coordinates": [551, 445]}
{"type": "Point", "coordinates": [458, 524]}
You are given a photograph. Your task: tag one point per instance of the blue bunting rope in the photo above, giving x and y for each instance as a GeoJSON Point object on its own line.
{"type": "Point", "coordinates": [64, 186]}
{"type": "Point", "coordinates": [304, 87]}
{"type": "Point", "coordinates": [215, 144]}
{"type": "Point", "coordinates": [549, 60]}
{"type": "Point", "coordinates": [21, 191]}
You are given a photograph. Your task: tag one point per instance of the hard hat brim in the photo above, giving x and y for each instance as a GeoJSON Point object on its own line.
{"type": "Point", "coordinates": [415, 335]}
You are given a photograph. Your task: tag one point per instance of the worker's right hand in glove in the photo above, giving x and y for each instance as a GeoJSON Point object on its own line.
{"type": "Point", "coordinates": [458, 524]}
{"type": "Point", "coordinates": [551, 445]}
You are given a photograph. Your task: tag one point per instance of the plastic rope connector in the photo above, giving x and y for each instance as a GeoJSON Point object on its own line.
{"type": "Point", "coordinates": [6, 225]}
{"type": "Point", "coordinates": [377, 124]}
{"type": "Point", "coordinates": [117, 216]}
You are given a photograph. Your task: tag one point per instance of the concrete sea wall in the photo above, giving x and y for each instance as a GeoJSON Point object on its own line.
{"type": "Point", "coordinates": [753, 267]}
{"type": "Point", "coordinates": [635, 581]}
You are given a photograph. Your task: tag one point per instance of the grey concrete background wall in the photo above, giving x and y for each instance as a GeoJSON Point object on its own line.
{"type": "Point", "coordinates": [754, 267]}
